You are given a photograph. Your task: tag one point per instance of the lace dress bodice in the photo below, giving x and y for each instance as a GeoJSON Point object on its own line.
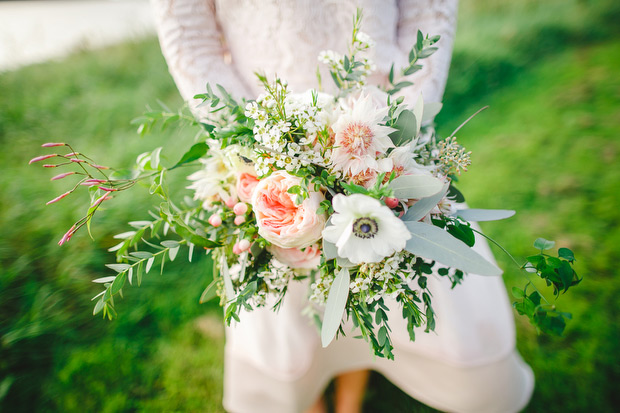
{"type": "Point", "coordinates": [226, 41]}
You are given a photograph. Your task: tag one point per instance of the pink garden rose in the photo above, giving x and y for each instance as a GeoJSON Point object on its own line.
{"type": "Point", "coordinates": [246, 182]}
{"type": "Point", "coordinates": [279, 220]}
{"type": "Point", "coordinates": [309, 258]}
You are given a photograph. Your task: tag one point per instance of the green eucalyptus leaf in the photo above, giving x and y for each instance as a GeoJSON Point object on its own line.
{"type": "Point", "coordinates": [433, 243]}
{"type": "Point", "coordinates": [330, 251]}
{"type": "Point", "coordinates": [480, 215]}
{"type": "Point", "coordinates": [98, 307]}
{"type": "Point", "coordinates": [118, 267]}
{"type": "Point", "coordinates": [416, 186]}
{"type": "Point", "coordinates": [104, 280]}
{"type": "Point", "coordinates": [143, 255]}
{"type": "Point", "coordinates": [149, 264]}
{"type": "Point", "coordinates": [170, 244]}
{"type": "Point", "coordinates": [209, 293]}
{"type": "Point", "coordinates": [172, 253]}
{"type": "Point", "coordinates": [228, 286]}
{"type": "Point", "coordinates": [118, 283]}
{"type": "Point", "coordinates": [406, 128]}
{"type": "Point", "coordinates": [422, 207]}
{"type": "Point", "coordinates": [335, 306]}
{"type": "Point", "coordinates": [418, 111]}
{"type": "Point", "coordinates": [431, 109]}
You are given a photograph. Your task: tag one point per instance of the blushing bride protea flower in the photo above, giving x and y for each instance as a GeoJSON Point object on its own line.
{"type": "Point", "coordinates": [364, 230]}
{"type": "Point", "coordinates": [359, 139]}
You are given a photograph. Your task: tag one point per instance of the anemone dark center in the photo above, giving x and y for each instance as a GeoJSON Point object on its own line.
{"type": "Point", "coordinates": [365, 227]}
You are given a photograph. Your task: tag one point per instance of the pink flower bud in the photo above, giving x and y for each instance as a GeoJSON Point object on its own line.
{"type": "Point", "coordinates": [91, 182]}
{"type": "Point", "coordinates": [240, 208]}
{"type": "Point", "coordinates": [72, 154]}
{"type": "Point", "coordinates": [77, 160]}
{"type": "Point", "coordinates": [215, 220]}
{"type": "Point", "coordinates": [99, 166]}
{"type": "Point", "coordinates": [230, 202]}
{"type": "Point", "coordinates": [67, 236]}
{"type": "Point", "coordinates": [236, 249]}
{"type": "Point", "coordinates": [391, 202]}
{"type": "Point", "coordinates": [47, 165]}
{"type": "Point", "coordinates": [58, 198]}
{"type": "Point", "coordinates": [239, 219]}
{"type": "Point", "coordinates": [102, 198]}
{"type": "Point", "coordinates": [103, 188]}
{"type": "Point", "coordinates": [244, 245]}
{"type": "Point", "coordinates": [60, 176]}
{"type": "Point", "coordinates": [42, 158]}
{"type": "Point", "coordinates": [51, 144]}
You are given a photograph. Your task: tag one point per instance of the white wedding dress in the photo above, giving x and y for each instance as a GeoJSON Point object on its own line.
{"type": "Point", "coordinates": [274, 361]}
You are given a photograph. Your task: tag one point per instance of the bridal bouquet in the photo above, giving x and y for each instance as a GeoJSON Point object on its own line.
{"type": "Point", "coordinates": [352, 192]}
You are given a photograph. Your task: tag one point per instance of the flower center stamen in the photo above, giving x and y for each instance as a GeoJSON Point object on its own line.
{"type": "Point", "coordinates": [365, 228]}
{"type": "Point", "coordinates": [357, 138]}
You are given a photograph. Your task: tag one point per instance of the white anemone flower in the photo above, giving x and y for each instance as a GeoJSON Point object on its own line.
{"type": "Point", "coordinates": [364, 230]}
{"type": "Point", "coordinates": [359, 139]}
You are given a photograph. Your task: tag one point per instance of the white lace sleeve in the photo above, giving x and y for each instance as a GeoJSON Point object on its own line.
{"type": "Point", "coordinates": [432, 17]}
{"type": "Point", "coordinates": [193, 46]}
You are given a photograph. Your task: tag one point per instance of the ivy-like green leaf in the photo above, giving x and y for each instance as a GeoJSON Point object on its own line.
{"type": "Point", "coordinates": [543, 244]}
{"type": "Point", "coordinates": [197, 151]}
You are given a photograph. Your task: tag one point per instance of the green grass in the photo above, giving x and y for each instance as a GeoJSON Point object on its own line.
{"type": "Point", "coordinates": [547, 147]}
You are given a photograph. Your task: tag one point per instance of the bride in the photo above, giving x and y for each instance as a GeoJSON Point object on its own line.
{"type": "Point", "coordinates": [274, 362]}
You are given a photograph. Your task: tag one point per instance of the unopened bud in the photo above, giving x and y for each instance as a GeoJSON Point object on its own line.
{"type": "Point", "coordinates": [60, 176]}
{"type": "Point", "coordinates": [239, 219]}
{"type": "Point", "coordinates": [244, 245]}
{"type": "Point", "coordinates": [240, 208]}
{"type": "Point", "coordinates": [230, 202]}
{"type": "Point", "coordinates": [215, 220]}
{"type": "Point", "coordinates": [42, 158]}
{"type": "Point", "coordinates": [52, 144]}
{"type": "Point", "coordinates": [58, 198]}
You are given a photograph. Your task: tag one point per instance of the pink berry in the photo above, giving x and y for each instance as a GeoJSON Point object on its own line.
{"type": "Point", "coordinates": [215, 220]}
{"type": "Point", "coordinates": [240, 208]}
{"type": "Point", "coordinates": [391, 202]}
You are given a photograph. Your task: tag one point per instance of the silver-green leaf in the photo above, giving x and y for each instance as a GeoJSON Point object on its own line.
{"type": "Point", "coordinates": [433, 243]}
{"type": "Point", "coordinates": [416, 186]}
{"type": "Point", "coordinates": [421, 208]}
{"type": "Point", "coordinates": [480, 215]}
{"type": "Point", "coordinates": [334, 308]}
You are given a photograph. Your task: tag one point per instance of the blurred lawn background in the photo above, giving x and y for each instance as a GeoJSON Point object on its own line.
{"type": "Point", "coordinates": [547, 147]}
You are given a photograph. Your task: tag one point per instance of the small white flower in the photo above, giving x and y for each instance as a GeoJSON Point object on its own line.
{"type": "Point", "coordinates": [364, 230]}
